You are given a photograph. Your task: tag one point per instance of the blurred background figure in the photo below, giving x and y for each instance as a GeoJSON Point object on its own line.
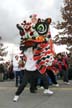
{"type": "Point", "coordinates": [17, 71]}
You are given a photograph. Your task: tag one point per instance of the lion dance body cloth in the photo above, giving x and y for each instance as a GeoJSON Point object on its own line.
{"type": "Point", "coordinates": [36, 34]}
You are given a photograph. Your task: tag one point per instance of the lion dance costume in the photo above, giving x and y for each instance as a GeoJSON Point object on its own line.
{"type": "Point", "coordinates": [36, 34]}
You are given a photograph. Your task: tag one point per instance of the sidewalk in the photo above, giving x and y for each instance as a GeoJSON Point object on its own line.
{"type": "Point", "coordinates": [62, 97]}
{"type": "Point", "coordinates": [11, 83]}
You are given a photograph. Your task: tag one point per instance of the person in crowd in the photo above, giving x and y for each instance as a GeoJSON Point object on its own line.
{"type": "Point", "coordinates": [5, 76]}
{"type": "Point", "coordinates": [70, 65]}
{"type": "Point", "coordinates": [22, 62]}
{"type": "Point", "coordinates": [10, 71]}
{"type": "Point", "coordinates": [2, 71]}
{"type": "Point", "coordinates": [17, 71]}
{"type": "Point", "coordinates": [63, 67]}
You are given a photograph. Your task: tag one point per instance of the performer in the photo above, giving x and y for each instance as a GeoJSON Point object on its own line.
{"type": "Point", "coordinates": [30, 75]}
{"type": "Point", "coordinates": [45, 61]}
{"type": "Point", "coordinates": [34, 37]}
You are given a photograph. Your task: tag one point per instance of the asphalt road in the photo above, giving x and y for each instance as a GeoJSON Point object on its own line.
{"type": "Point", "coordinates": [62, 97]}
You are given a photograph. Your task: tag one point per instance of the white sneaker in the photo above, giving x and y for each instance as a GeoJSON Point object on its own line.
{"type": "Point", "coordinates": [56, 85]}
{"type": "Point", "coordinates": [47, 91]}
{"type": "Point", "coordinates": [67, 83]}
{"type": "Point", "coordinates": [15, 99]}
{"type": "Point", "coordinates": [42, 87]}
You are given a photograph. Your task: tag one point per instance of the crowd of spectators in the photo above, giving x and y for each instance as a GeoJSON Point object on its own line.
{"type": "Point", "coordinates": [8, 73]}
{"type": "Point", "coordinates": [6, 69]}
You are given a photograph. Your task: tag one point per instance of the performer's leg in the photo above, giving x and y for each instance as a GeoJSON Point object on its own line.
{"type": "Point", "coordinates": [33, 82]}
{"type": "Point", "coordinates": [41, 83]}
{"type": "Point", "coordinates": [45, 83]}
{"type": "Point", "coordinates": [17, 75]}
{"type": "Point", "coordinates": [21, 87]}
{"type": "Point", "coordinates": [52, 76]}
{"type": "Point", "coordinates": [21, 76]}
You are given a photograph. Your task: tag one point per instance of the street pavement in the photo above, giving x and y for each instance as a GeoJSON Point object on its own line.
{"type": "Point", "coordinates": [62, 97]}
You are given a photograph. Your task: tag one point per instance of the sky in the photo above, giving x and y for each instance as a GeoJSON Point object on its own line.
{"type": "Point", "coordinates": [15, 11]}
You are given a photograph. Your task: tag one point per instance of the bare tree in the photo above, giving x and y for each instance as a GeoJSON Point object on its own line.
{"type": "Point", "coordinates": [3, 51]}
{"type": "Point", "coordinates": [65, 26]}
